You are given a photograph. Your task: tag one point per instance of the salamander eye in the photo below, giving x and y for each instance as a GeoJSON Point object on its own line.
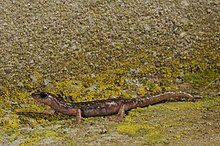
{"type": "Point", "coordinates": [43, 94]}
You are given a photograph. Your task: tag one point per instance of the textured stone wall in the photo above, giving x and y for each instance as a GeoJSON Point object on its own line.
{"type": "Point", "coordinates": [56, 39]}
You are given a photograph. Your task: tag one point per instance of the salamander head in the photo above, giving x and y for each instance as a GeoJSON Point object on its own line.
{"type": "Point", "coordinates": [44, 97]}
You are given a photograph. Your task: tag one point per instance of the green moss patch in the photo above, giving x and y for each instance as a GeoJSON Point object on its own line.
{"type": "Point", "coordinates": [205, 79]}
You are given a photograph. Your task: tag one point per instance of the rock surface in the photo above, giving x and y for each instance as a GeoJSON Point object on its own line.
{"type": "Point", "coordinates": [54, 39]}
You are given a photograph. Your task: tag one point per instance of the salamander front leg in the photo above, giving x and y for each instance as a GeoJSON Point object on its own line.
{"type": "Point", "coordinates": [77, 113]}
{"type": "Point", "coordinates": [121, 113]}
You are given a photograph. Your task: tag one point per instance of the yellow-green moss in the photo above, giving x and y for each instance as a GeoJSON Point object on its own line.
{"type": "Point", "coordinates": [203, 79]}
{"type": "Point", "coordinates": [133, 128]}
{"type": "Point", "coordinates": [41, 134]}
{"type": "Point", "coordinates": [11, 121]}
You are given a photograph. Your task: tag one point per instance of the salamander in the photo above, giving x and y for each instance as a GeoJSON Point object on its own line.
{"type": "Point", "coordinates": [103, 107]}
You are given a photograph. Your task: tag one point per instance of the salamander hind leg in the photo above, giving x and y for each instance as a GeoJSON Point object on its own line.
{"type": "Point", "coordinates": [121, 113]}
{"type": "Point", "coordinates": [77, 113]}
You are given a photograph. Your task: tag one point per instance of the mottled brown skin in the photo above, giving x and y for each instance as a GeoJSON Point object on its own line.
{"type": "Point", "coordinates": [103, 107]}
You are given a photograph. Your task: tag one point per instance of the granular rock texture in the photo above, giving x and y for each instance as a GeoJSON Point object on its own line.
{"type": "Point", "coordinates": [57, 39]}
